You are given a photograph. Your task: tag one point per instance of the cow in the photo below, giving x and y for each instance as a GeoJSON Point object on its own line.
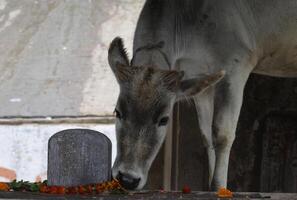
{"type": "Point", "coordinates": [202, 50]}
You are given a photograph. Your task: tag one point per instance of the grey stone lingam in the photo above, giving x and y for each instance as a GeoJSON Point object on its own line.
{"type": "Point", "coordinates": [78, 157]}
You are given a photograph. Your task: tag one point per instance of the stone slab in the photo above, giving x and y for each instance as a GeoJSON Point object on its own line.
{"type": "Point", "coordinates": [78, 157]}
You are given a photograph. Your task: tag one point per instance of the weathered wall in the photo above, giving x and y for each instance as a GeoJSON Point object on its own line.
{"type": "Point", "coordinates": [53, 62]}
{"type": "Point", "coordinates": [265, 136]}
{"type": "Point", "coordinates": [53, 55]}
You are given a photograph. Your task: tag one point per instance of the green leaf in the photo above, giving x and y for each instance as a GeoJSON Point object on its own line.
{"type": "Point", "coordinates": [16, 185]}
{"type": "Point", "coordinates": [34, 187]}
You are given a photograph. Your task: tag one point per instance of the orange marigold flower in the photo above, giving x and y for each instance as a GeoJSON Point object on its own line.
{"type": "Point", "coordinates": [61, 190]}
{"type": "Point", "coordinates": [224, 193]}
{"type": "Point", "coordinates": [4, 187]}
{"type": "Point", "coordinates": [53, 190]}
{"type": "Point", "coordinates": [88, 189]}
{"type": "Point", "coordinates": [99, 188]}
{"type": "Point", "coordinates": [43, 188]}
{"type": "Point", "coordinates": [81, 189]}
{"type": "Point", "coordinates": [72, 190]}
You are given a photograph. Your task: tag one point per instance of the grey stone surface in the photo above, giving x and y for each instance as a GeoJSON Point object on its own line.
{"type": "Point", "coordinates": [78, 157]}
{"type": "Point", "coordinates": [150, 195]}
{"type": "Point", "coordinates": [53, 55]}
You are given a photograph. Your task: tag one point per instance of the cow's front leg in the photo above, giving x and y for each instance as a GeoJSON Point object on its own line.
{"type": "Point", "coordinates": [227, 105]}
{"type": "Point", "coordinates": [204, 108]}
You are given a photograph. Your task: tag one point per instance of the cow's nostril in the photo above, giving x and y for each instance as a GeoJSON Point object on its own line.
{"type": "Point", "coordinates": [128, 181]}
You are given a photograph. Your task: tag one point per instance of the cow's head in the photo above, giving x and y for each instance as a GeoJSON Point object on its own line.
{"type": "Point", "coordinates": [145, 102]}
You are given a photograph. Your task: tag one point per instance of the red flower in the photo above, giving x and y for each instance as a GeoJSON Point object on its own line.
{"type": "Point", "coordinates": [186, 189]}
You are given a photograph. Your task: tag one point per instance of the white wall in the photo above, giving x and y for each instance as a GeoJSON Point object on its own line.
{"type": "Point", "coordinates": [23, 148]}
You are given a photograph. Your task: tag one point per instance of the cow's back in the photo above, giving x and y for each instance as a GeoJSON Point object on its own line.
{"type": "Point", "coordinates": [276, 23]}
{"type": "Point", "coordinates": [202, 29]}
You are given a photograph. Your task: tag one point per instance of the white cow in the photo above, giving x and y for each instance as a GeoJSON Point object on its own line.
{"type": "Point", "coordinates": [201, 49]}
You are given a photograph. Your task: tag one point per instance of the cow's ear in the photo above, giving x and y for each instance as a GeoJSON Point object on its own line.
{"type": "Point", "coordinates": [195, 86]}
{"type": "Point", "coordinates": [118, 59]}
{"type": "Point", "coordinates": [171, 79]}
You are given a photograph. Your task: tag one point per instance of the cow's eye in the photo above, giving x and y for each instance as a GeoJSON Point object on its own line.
{"type": "Point", "coordinates": [118, 114]}
{"type": "Point", "coordinates": [163, 121]}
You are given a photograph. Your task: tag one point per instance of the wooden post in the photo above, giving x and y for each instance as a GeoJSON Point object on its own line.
{"type": "Point", "coordinates": [168, 156]}
{"type": "Point", "coordinates": [171, 151]}
{"type": "Point", "coordinates": [175, 147]}
{"type": "Point", "coordinates": [78, 157]}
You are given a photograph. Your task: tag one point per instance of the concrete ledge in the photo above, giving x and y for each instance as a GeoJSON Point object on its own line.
{"type": "Point", "coordinates": [88, 119]}
{"type": "Point", "coordinates": [147, 195]}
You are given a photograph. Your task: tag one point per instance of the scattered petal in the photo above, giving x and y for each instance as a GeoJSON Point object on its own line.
{"type": "Point", "coordinates": [186, 189]}
{"type": "Point", "coordinates": [224, 193]}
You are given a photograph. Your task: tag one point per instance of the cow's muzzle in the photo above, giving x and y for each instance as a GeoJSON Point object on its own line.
{"type": "Point", "coordinates": [128, 181]}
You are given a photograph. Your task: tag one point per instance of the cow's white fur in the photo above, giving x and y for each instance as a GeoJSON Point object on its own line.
{"type": "Point", "coordinates": [205, 36]}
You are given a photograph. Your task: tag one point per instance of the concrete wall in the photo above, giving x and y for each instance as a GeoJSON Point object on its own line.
{"type": "Point", "coordinates": [53, 55]}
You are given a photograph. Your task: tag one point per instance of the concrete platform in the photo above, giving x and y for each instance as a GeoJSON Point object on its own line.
{"type": "Point", "coordinates": [146, 195]}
